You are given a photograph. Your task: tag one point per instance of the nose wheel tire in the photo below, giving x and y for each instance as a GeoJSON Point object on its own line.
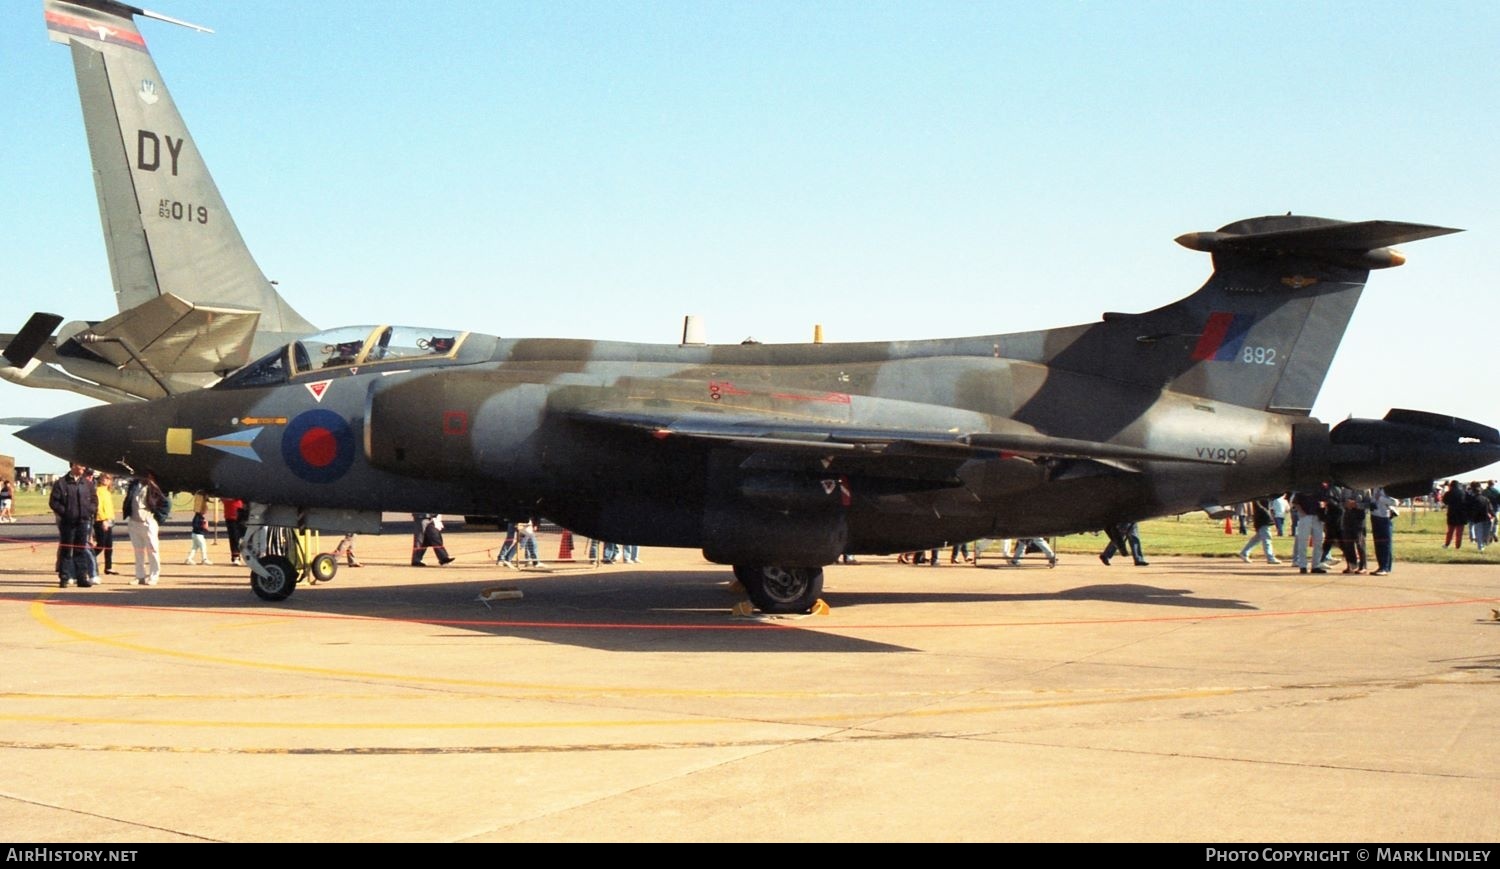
{"type": "Point", "coordinates": [776, 589]}
{"type": "Point", "coordinates": [280, 579]}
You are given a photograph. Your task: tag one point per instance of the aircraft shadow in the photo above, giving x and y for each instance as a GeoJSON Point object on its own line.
{"type": "Point", "coordinates": [687, 612]}
{"type": "Point", "coordinates": [617, 611]}
{"type": "Point", "coordinates": [1113, 593]}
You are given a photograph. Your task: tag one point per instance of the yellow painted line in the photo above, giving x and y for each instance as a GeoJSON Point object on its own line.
{"type": "Point", "coordinates": [368, 725]}
{"type": "Point", "coordinates": [830, 719]}
{"type": "Point", "coordinates": [546, 748]}
{"type": "Point", "coordinates": [531, 690]}
{"type": "Point", "coordinates": [41, 613]}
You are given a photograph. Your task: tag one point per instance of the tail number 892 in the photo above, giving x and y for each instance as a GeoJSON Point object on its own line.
{"type": "Point", "coordinates": [1258, 355]}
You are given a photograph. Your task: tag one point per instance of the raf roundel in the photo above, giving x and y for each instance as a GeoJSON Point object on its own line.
{"type": "Point", "coordinates": [318, 446]}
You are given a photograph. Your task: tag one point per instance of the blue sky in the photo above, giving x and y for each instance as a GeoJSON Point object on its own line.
{"type": "Point", "coordinates": [887, 170]}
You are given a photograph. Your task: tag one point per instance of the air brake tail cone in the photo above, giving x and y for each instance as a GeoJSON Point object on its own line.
{"type": "Point", "coordinates": [1409, 446]}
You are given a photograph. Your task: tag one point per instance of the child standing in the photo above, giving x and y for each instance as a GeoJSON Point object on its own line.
{"type": "Point", "coordinates": [200, 539]}
{"type": "Point", "coordinates": [346, 549]}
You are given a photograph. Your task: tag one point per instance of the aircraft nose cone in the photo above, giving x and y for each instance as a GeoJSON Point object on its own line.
{"type": "Point", "coordinates": [95, 436]}
{"type": "Point", "coordinates": [57, 436]}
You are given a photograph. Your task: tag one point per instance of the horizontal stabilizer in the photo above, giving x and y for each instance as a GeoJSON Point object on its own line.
{"type": "Point", "coordinates": [1361, 244]}
{"type": "Point", "coordinates": [23, 421]}
{"type": "Point", "coordinates": [1362, 235]}
{"type": "Point", "coordinates": [30, 339]}
{"type": "Point", "coordinates": [172, 334]}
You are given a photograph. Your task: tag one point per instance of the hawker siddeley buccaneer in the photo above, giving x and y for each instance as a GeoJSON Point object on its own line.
{"type": "Point", "coordinates": [192, 303]}
{"type": "Point", "coordinates": [776, 459]}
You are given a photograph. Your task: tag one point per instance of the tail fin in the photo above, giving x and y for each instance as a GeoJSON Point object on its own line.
{"type": "Point", "coordinates": [1262, 331]}
{"type": "Point", "coordinates": [1275, 309]}
{"type": "Point", "coordinates": [165, 226]}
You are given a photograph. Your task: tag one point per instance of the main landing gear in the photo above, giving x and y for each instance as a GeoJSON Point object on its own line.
{"type": "Point", "coordinates": [777, 590]}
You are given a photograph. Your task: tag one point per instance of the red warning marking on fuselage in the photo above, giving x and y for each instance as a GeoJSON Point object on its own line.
{"type": "Point", "coordinates": [318, 389]}
{"type": "Point", "coordinates": [717, 389]}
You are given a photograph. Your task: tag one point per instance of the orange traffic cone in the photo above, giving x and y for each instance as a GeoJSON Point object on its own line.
{"type": "Point", "coordinates": [565, 548]}
{"type": "Point", "coordinates": [1227, 528]}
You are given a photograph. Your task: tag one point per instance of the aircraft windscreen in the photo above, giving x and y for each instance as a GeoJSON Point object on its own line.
{"type": "Point", "coordinates": [345, 348]}
{"type": "Point", "coordinates": [337, 347]}
{"type": "Point", "coordinates": [268, 370]}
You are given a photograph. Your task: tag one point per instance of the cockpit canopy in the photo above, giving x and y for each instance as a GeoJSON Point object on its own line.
{"type": "Point", "coordinates": [347, 348]}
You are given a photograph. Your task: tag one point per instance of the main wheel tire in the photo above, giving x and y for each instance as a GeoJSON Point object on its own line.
{"type": "Point", "coordinates": [280, 579]}
{"type": "Point", "coordinates": [324, 567]}
{"type": "Point", "coordinates": [776, 589]}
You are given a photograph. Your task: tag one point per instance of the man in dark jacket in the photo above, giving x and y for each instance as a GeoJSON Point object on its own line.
{"type": "Point", "coordinates": [1333, 522]}
{"type": "Point", "coordinates": [1352, 532]}
{"type": "Point", "coordinates": [74, 502]}
{"type": "Point", "coordinates": [1457, 504]}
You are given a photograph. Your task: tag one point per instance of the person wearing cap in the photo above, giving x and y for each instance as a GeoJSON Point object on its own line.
{"type": "Point", "coordinates": [74, 503]}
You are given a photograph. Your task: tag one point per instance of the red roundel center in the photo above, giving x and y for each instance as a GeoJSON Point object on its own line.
{"type": "Point", "coordinates": [318, 447]}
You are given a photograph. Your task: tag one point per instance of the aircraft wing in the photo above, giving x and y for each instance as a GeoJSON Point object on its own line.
{"type": "Point", "coordinates": [837, 439]}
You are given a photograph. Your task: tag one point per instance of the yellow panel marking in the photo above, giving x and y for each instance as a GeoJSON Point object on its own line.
{"type": "Point", "coordinates": [179, 441]}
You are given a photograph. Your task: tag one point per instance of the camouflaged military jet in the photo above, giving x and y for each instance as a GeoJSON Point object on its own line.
{"type": "Point", "coordinates": [778, 458]}
{"type": "Point", "coordinates": [192, 304]}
